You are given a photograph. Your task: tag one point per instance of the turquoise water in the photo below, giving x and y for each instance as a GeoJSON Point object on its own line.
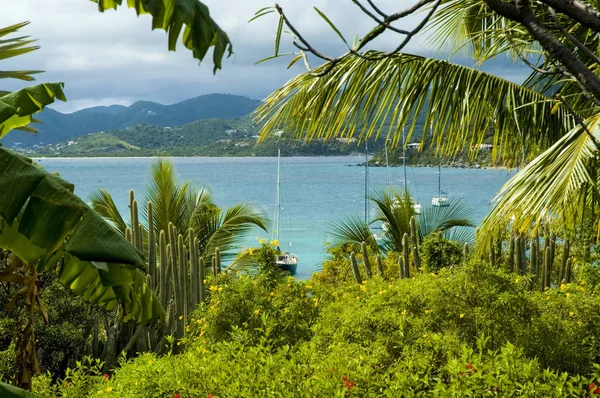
{"type": "Point", "coordinates": [314, 193]}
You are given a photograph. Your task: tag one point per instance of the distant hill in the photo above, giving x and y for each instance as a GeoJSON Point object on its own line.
{"type": "Point", "coordinates": [206, 137]}
{"type": "Point", "coordinates": [57, 127]}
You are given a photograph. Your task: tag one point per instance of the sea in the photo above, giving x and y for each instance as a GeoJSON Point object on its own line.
{"type": "Point", "coordinates": [315, 191]}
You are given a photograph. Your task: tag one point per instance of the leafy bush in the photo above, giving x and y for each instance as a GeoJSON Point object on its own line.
{"type": "Point", "coordinates": [437, 252]}
{"type": "Point", "coordinates": [467, 331]}
{"type": "Point", "coordinates": [282, 313]}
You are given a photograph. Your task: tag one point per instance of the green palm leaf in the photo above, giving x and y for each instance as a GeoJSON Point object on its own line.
{"type": "Point", "coordinates": [444, 218]}
{"type": "Point", "coordinates": [201, 32]}
{"type": "Point", "coordinates": [13, 47]}
{"type": "Point", "coordinates": [369, 98]}
{"type": "Point", "coordinates": [44, 222]}
{"type": "Point", "coordinates": [104, 205]}
{"type": "Point", "coordinates": [353, 230]}
{"type": "Point", "coordinates": [552, 185]}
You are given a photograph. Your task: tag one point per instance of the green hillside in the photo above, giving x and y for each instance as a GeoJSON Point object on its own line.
{"type": "Point", "coordinates": [57, 127]}
{"type": "Point", "coordinates": [207, 137]}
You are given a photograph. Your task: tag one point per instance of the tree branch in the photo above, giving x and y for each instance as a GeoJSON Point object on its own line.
{"type": "Point", "coordinates": [577, 10]}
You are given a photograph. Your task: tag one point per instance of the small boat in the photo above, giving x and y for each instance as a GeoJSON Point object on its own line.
{"type": "Point", "coordinates": [284, 260]}
{"type": "Point", "coordinates": [442, 199]}
{"type": "Point", "coordinates": [415, 204]}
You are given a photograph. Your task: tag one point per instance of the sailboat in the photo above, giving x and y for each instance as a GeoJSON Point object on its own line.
{"type": "Point", "coordinates": [284, 260]}
{"type": "Point", "coordinates": [442, 199]}
{"type": "Point", "coordinates": [416, 205]}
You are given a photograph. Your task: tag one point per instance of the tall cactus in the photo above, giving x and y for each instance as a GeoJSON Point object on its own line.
{"type": "Point", "coordinates": [151, 245]}
{"type": "Point", "coordinates": [466, 253]}
{"type": "Point", "coordinates": [405, 252]}
{"type": "Point", "coordinates": [565, 259]}
{"type": "Point", "coordinates": [379, 265]}
{"type": "Point", "coordinates": [569, 270]}
{"type": "Point", "coordinates": [548, 260]}
{"type": "Point", "coordinates": [511, 256]}
{"type": "Point", "coordinates": [218, 260]}
{"type": "Point", "coordinates": [194, 269]}
{"type": "Point", "coordinates": [492, 252]}
{"type": "Point", "coordinates": [355, 269]}
{"type": "Point", "coordinates": [201, 276]}
{"type": "Point", "coordinates": [401, 267]}
{"type": "Point", "coordinates": [414, 234]}
{"type": "Point", "coordinates": [518, 258]}
{"type": "Point", "coordinates": [365, 255]}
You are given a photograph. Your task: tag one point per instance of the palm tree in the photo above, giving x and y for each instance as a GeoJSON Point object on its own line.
{"type": "Point", "coordinates": [187, 206]}
{"type": "Point", "coordinates": [551, 117]}
{"type": "Point", "coordinates": [44, 224]}
{"type": "Point", "coordinates": [394, 210]}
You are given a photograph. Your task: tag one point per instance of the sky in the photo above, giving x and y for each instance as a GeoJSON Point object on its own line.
{"type": "Point", "coordinates": [115, 58]}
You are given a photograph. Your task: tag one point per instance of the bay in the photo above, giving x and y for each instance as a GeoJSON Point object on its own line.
{"type": "Point", "coordinates": [315, 191]}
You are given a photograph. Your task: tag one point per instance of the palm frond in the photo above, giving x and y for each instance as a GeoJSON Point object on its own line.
{"type": "Point", "coordinates": [554, 184]}
{"type": "Point", "coordinates": [226, 229]}
{"type": "Point", "coordinates": [13, 47]}
{"type": "Point", "coordinates": [461, 235]}
{"type": "Point", "coordinates": [170, 199]}
{"type": "Point", "coordinates": [394, 210]}
{"type": "Point", "coordinates": [367, 98]}
{"type": "Point", "coordinates": [352, 230]}
{"type": "Point", "coordinates": [103, 204]}
{"type": "Point", "coordinates": [443, 218]}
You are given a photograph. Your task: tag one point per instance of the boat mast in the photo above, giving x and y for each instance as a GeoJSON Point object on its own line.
{"type": "Point", "coordinates": [404, 161]}
{"type": "Point", "coordinates": [439, 176]}
{"type": "Point", "coordinates": [277, 206]}
{"type": "Point", "coordinates": [366, 180]}
{"type": "Point", "coordinates": [387, 165]}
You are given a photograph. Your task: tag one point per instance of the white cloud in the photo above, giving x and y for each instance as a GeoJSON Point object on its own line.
{"type": "Point", "coordinates": [116, 57]}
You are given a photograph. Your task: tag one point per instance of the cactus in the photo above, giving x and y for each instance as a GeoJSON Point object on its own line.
{"type": "Point", "coordinates": [194, 269]}
{"type": "Point", "coordinates": [355, 270]}
{"type": "Point", "coordinates": [379, 265]}
{"type": "Point", "coordinates": [405, 252]}
{"type": "Point", "coordinates": [492, 252]}
{"type": "Point", "coordinates": [365, 254]}
{"type": "Point", "coordinates": [466, 253]}
{"type": "Point", "coordinates": [151, 246]}
{"type": "Point", "coordinates": [511, 256]}
{"type": "Point", "coordinates": [519, 255]}
{"type": "Point", "coordinates": [548, 260]}
{"type": "Point", "coordinates": [569, 270]}
{"type": "Point", "coordinates": [201, 277]}
{"type": "Point", "coordinates": [534, 266]}
{"type": "Point", "coordinates": [565, 258]}
{"type": "Point", "coordinates": [218, 260]}
{"type": "Point", "coordinates": [214, 266]}
{"type": "Point", "coordinates": [414, 234]}
{"type": "Point", "coordinates": [401, 267]}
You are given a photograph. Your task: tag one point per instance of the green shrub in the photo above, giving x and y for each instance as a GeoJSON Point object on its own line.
{"type": "Point", "coordinates": [282, 313]}
{"type": "Point", "coordinates": [437, 252]}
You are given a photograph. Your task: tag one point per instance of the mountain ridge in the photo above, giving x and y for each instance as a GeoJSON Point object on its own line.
{"type": "Point", "coordinates": [58, 127]}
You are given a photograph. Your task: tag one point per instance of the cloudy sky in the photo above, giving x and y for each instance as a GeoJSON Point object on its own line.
{"type": "Point", "coordinates": [114, 58]}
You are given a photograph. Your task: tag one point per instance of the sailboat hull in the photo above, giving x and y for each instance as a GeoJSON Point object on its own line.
{"type": "Point", "coordinates": [287, 262]}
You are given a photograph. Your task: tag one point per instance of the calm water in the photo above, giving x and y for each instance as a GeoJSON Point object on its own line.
{"type": "Point", "coordinates": [315, 191]}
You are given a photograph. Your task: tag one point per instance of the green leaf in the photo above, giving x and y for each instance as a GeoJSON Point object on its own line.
{"type": "Point", "coordinates": [336, 30]}
{"type": "Point", "coordinates": [278, 35]}
{"type": "Point", "coordinates": [294, 60]}
{"type": "Point", "coordinates": [201, 31]}
{"type": "Point", "coordinates": [272, 57]}
{"type": "Point", "coordinates": [44, 220]}
{"type": "Point", "coordinates": [8, 391]}
{"type": "Point", "coordinates": [17, 108]}
{"type": "Point", "coordinates": [262, 12]}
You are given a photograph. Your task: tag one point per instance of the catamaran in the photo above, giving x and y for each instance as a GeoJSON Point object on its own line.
{"type": "Point", "coordinates": [284, 260]}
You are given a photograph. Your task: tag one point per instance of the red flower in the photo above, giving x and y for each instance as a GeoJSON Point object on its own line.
{"type": "Point", "coordinates": [471, 368]}
{"type": "Point", "coordinates": [209, 396]}
{"type": "Point", "coordinates": [106, 376]}
{"type": "Point", "coordinates": [594, 390]}
{"type": "Point", "coordinates": [176, 395]}
{"type": "Point", "coordinates": [347, 382]}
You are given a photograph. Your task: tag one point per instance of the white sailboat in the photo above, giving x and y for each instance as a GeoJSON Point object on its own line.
{"type": "Point", "coordinates": [284, 260]}
{"type": "Point", "coordinates": [442, 199]}
{"type": "Point", "coordinates": [416, 205]}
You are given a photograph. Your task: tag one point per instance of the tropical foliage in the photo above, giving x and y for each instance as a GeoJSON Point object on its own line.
{"type": "Point", "coordinates": [469, 331]}
{"type": "Point", "coordinates": [187, 206]}
{"type": "Point", "coordinates": [201, 32]}
{"type": "Point", "coordinates": [393, 211]}
{"type": "Point", "coordinates": [551, 115]}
